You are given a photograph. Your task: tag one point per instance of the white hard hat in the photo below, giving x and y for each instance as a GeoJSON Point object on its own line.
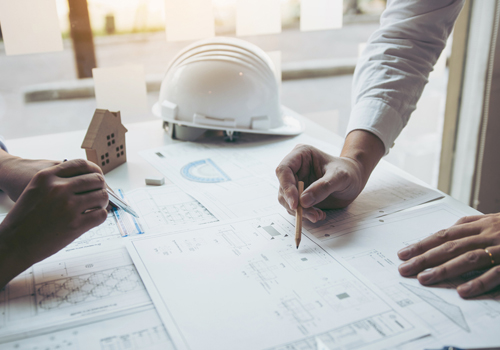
{"type": "Point", "coordinates": [224, 84]}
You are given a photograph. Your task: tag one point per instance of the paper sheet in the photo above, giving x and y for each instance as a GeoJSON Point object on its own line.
{"type": "Point", "coordinates": [242, 284]}
{"type": "Point", "coordinates": [321, 14]}
{"type": "Point", "coordinates": [61, 291]}
{"type": "Point", "coordinates": [239, 179]}
{"type": "Point", "coordinates": [93, 277]}
{"type": "Point", "coordinates": [30, 26]}
{"type": "Point", "coordinates": [136, 330]}
{"type": "Point", "coordinates": [384, 193]}
{"type": "Point", "coordinates": [121, 89]}
{"type": "Point", "coordinates": [168, 207]}
{"type": "Point", "coordinates": [189, 20]}
{"type": "Point", "coordinates": [372, 250]}
{"type": "Point", "coordinates": [256, 17]}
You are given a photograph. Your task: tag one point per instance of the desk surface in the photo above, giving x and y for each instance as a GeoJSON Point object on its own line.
{"type": "Point", "coordinates": [142, 136]}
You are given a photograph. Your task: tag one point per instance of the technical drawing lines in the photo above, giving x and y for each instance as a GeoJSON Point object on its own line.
{"type": "Point", "coordinates": [85, 288]}
{"type": "Point", "coordinates": [452, 312]}
{"type": "Point", "coordinates": [186, 213]}
{"type": "Point", "coordinates": [297, 310]}
{"type": "Point", "coordinates": [108, 230]}
{"type": "Point", "coordinates": [140, 339]}
{"type": "Point", "coordinates": [355, 335]}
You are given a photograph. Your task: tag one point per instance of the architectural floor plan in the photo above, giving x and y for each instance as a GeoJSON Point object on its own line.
{"type": "Point", "coordinates": [227, 271]}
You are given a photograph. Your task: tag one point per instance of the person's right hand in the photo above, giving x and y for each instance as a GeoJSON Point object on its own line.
{"type": "Point", "coordinates": [58, 205]}
{"type": "Point", "coordinates": [330, 182]}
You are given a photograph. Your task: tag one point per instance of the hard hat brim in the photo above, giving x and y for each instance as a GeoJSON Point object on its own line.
{"type": "Point", "coordinates": [292, 125]}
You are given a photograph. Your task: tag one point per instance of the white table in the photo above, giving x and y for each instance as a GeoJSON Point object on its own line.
{"type": "Point", "coordinates": [142, 136]}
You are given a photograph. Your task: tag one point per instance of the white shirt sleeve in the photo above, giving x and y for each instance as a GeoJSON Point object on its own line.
{"type": "Point", "coordinates": [393, 69]}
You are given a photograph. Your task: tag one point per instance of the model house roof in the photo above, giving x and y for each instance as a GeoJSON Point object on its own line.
{"type": "Point", "coordinates": [102, 118]}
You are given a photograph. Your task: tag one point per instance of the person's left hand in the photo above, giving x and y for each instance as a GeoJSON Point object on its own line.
{"type": "Point", "coordinates": [472, 244]}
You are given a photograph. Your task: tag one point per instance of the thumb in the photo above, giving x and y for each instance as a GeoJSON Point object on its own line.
{"type": "Point", "coordinates": [319, 190]}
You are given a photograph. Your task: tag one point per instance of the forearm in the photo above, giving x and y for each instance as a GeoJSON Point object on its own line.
{"type": "Point", "coordinates": [11, 264]}
{"type": "Point", "coordinates": [365, 148]}
{"type": "Point", "coordinates": [393, 69]}
{"type": "Point", "coordinates": [7, 164]}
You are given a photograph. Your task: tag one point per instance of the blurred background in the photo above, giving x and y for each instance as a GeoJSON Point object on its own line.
{"type": "Point", "coordinates": [52, 92]}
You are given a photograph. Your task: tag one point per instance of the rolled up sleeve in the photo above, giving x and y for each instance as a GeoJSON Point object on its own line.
{"type": "Point", "coordinates": [394, 67]}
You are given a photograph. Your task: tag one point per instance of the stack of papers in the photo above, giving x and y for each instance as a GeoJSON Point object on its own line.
{"type": "Point", "coordinates": [216, 267]}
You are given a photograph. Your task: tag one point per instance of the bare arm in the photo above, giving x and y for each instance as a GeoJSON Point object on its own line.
{"type": "Point", "coordinates": [57, 205]}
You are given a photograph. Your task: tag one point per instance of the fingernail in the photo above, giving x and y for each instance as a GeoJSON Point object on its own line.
{"type": "Point", "coordinates": [465, 288]}
{"type": "Point", "coordinates": [307, 200]}
{"type": "Point", "coordinates": [312, 218]}
{"type": "Point", "coordinates": [426, 276]}
{"type": "Point", "coordinates": [405, 268]}
{"type": "Point", "coordinates": [404, 253]}
{"type": "Point", "coordinates": [320, 214]}
{"type": "Point", "coordinates": [290, 202]}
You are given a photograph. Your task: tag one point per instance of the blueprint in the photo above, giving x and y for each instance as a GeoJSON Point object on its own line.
{"type": "Point", "coordinates": [136, 330]}
{"type": "Point", "coordinates": [238, 180]}
{"type": "Point", "coordinates": [70, 289]}
{"type": "Point", "coordinates": [93, 277]}
{"type": "Point", "coordinates": [242, 284]}
{"type": "Point", "coordinates": [372, 250]}
{"type": "Point", "coordinates": [168, 207]}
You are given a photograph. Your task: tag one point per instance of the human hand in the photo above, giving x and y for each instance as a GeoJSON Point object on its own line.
{"type": "Point", "coordinates": [58, 205]}
{"type": "Point", "coordinates": [464, 247]}
{"type": "Point", "coordinates": [330, 182]}
{"type": "Point", "coordinates": [18, 172]}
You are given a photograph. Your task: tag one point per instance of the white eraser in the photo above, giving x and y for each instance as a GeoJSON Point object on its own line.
{"type": "Point", "coordinates": [155, 181]}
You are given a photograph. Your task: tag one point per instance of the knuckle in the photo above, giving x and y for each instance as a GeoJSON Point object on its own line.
{"type": "Point", "coordinates": [418, 248]}
{"type": "Point", "coordinates": [288, 189]}
{"type": "Point", "coordinates": [420, 260]}
{"type": "Point", "coordinates": [42, 176]}
{"type": "Point", "coordinates": [441, 272]}
{"type": "Point", "coordinates": [463, 220]}
{"type": "Point", "coordinates": [100, 179]}
{"type": "Point", "coordinates": [489, 221]}
{"type": "Point", "coordinates": [342, 175]}
{"type": "Point", "coordinates": [480, 285]}
{"type": "Point", "coordinates": [281, 169]}
{"type": "Point", "coordinates": [302, 146]}
{"type": "Point", "coordinates": [450, 246]}
{"type": "Point", "coordinates": [472, 257]}
{"type": "Point", "coordinates": [443, 235]}
{"type": "Point", "coordinates": [81, 163]}
{"type": "Point", "coordinates": [104, 194]}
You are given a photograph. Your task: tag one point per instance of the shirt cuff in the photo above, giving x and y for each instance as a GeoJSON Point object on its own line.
{"type": "Point", "coordinates": [2, 144]}
{"type": "Point", "coordinates": [378, 118]}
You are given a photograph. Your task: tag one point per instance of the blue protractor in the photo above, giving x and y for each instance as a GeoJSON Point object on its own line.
{"type": "Point", "coordinates": [204, 171]}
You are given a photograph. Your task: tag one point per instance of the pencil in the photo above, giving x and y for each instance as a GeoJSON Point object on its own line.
{"type": "Point", "coordinates": [298, 217]}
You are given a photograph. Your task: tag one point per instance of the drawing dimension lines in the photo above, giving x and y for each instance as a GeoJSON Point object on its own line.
{"type": "Point", "coordinates": [204, 171]}
{"type": "Point", "coordinates": [452, 312]}
{"type": "Point", "coordinates": [354, 335]}
{"type": "Point", "coordinates": [93, 286]}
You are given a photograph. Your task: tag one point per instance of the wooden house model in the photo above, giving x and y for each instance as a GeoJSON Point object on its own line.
{"type": "Point", "coordinates": [104, 142]}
